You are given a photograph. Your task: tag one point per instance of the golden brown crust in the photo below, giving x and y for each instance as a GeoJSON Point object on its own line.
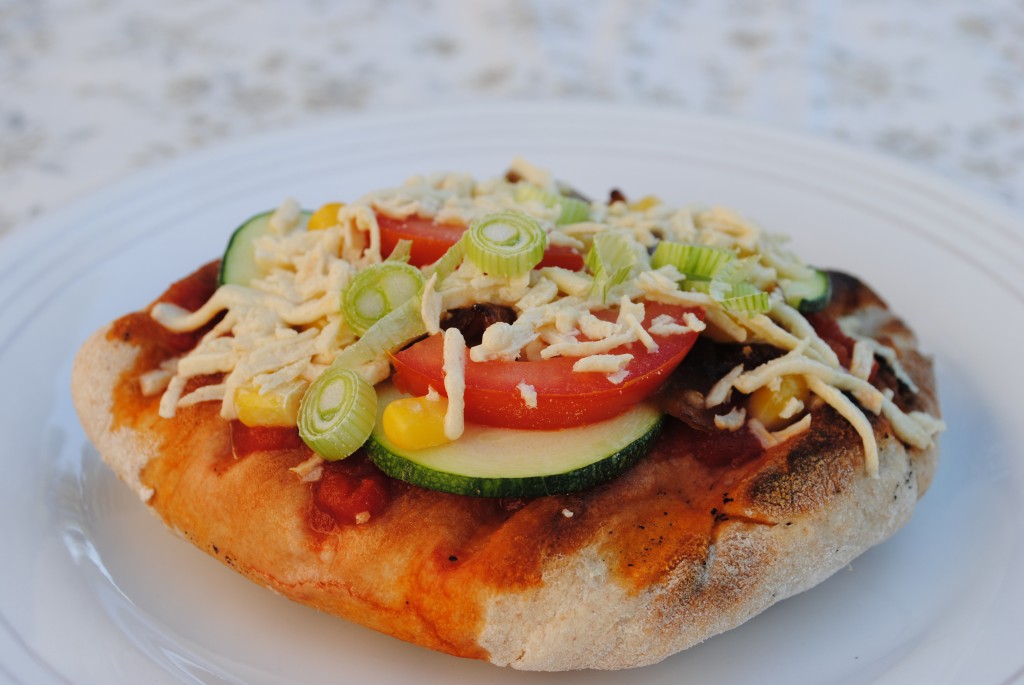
{"type": "Point", "coordinates": [680, 548]}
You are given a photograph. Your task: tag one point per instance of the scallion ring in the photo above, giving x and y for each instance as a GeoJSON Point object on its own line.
{"type": "Point", "coordinates": [572, 210]}
{"type": "Point", "coordinates": [378, 290]}
{"type": "Point", "coordinates": [611, 259]}
{"type": "Point", "coordinates": [337, 413]}
{"type": "Point", "coordinates": [505, 243]}
{"type": "Point", "coordinates": [699, 262]}
{"type": "Point", "coordinates": [747, 299]}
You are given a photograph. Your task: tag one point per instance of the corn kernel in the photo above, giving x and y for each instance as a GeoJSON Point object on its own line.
{"type": "Point", "coordinates": [279, 407]}
{"type": "Point", "coordinates": [415, 423]}
{"type": "Point", "coordinates": [776, 408]}
{"type": "Point", "coordinates": [325, 217]}
{"type": "Point", "coordinates": [645, 203]}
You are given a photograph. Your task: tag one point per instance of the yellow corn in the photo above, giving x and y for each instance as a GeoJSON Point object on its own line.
{"type": "Point", "coordinates": [768, 406]}
{"type": "Point", "coordinates": [645, 203]}
{"type": "Point", "coordinates": [325, 217]}
{"type": "Point", "coordinates": [279, 407]}
{"type": "Point", "coordinates": [415, 423]}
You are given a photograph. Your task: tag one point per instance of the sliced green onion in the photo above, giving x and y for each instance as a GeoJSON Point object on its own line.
{"type": "Point", "coordinates": [697, 285]}
{"type": "Point", "coordinates": [378, 290]}
{"type": "Point", "coordinates": [337, 413]}
{"type": "Point", "coordinates": [505, 243]}
{"type": "Point", "coordinates": [573, 210]}
{"type": "Point", "coordinates": [747, 299]}
{"type": "Point", "coordinates": [694, 261]}
{"type": "Point", "coordinates": [449, 261]}
{"type": "Point", "coordinates": [402, 251]}
{"type": "Point", "coordinates": [611, 259]}
{"type": "Point", "coordinates": [398, 327]}
{"type": "Point", "coordinates": [730, 283]}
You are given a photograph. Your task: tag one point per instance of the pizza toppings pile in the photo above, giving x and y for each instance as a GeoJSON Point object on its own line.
{"type": "Point", "coordinates": [599, 303]}
{"type": "Point", "coordinates": [501, 420]}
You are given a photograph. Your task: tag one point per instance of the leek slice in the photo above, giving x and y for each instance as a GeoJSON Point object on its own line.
{"type": "Point", "coordinates": [699, 262]}
{"type": "Point", "coordinates": [449, 261]}
{"type": "Point", "coordinates": [337, 413]}
{"type": "Point", "coordinates": [747, 299]}
{"type": "Point", "coordinates": [611, 259]}
{"type": "Point", "coordinates": [402, 251]}
{"type": "Point", "coordinates": [398, 327]}
{"type": "Point", "coordinates": [378, 290]}
{"type": "Point", "coordinates": [573, 210]}
{"type": "Point", "coordinates": [505, 243]}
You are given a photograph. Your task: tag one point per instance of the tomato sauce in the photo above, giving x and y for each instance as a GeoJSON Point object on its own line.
{"type": "Point", "coordinates": [248, 439]}
{"type": "Point", "coordinates": [351, 491]}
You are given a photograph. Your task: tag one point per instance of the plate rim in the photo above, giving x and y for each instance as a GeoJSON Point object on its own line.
{"type": "Point", "coordinates": [52, 221]}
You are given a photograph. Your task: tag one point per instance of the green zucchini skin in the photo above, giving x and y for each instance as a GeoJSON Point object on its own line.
{"type": "Point", "coordinates": [238, 265]}
{"type": "Point", "coordinates": [809, 295]}
{"type": "Point", "coordinates": [620, 443]}
{"type": "Point", "coordinates": [600, 471]}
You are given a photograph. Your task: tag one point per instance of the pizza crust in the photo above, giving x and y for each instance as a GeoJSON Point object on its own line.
{"type": "Point", "coordinates": [673, 552]}
{"type": "Point", "coordinates": [97, 369]}
{"type": "Point", "coordinates": [565, 624]}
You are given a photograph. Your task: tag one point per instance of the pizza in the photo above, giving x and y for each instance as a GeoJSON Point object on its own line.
{"type": "Point", "coordinates": [500, 420]}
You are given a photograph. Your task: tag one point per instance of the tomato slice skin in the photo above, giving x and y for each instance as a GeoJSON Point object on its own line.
{"type": "Point", "coordinates": [431, 240]}
{"type": "Point", "coordinates": [564, 397]}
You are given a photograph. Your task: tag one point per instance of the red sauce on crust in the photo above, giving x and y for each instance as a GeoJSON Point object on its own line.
{"type": "Point", "coordinates": [352, 491]}
{"type": "Point", "coordinates": [248, 439]}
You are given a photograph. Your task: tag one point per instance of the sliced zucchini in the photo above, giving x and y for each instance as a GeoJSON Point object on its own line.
{"type": "Point", "coordinates": [810, 294]}
{"type": "Point", "coordinates": [238, 266]}
{"type": "Point", "coordinates": [501, 462]}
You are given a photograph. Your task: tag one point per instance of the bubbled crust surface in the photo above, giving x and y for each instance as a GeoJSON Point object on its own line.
{"type": "Point", "coordinates": [678, 549]}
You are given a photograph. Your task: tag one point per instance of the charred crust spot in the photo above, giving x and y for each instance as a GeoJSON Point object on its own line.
{"type": "Point", "coordinates": [849, 293]}
{"type": "Point", "coordinates": [818, 466]}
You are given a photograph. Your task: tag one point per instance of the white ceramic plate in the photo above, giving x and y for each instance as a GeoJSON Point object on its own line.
{"type": "Point", "coordinates": [94, 590]}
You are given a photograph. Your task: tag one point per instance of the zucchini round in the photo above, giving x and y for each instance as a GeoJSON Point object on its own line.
{"type": "Point", "coordinates": [810, 294]}
{"type": "Point", "coordinates": [501, 462]}
{"type": "Point", "coordinates": [238, 265]}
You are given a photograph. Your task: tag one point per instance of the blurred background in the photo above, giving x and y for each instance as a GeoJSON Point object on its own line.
{"type": "Point", "coordinates": [93, 90]}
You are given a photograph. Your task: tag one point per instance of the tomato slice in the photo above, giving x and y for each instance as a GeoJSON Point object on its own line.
{"type": "Point", "coordinates": [431, 240]}
{"type": "Point", "coordinates": [564, 397]}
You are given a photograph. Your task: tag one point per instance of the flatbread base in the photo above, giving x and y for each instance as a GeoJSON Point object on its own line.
{"type": "Point", "coordinates": [682, 547]}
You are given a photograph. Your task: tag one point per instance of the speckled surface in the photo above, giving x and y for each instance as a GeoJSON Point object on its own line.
{"type": "Point", "coordinates": [96, 89]}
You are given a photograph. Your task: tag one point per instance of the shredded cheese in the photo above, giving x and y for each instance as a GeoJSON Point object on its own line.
{"type": "Point", "coordinates": [732, 421]}
{"type": "Point", "coordinates": [286, 327]}
{"type": "Point", "coordinates": [430, 306]}
{"type": "Point", "coordinates": [792, 430]}
{"type": "Point", "coordinates": [721, 391]}
{"type": "Point", "coordinates": [602, 363]}
{"type": "Point", "coordinates": [454, 383]}
{"type": "Point", "coordinates": [849, 411]}
{"type": "Point", "coordinates": [528, 393]}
